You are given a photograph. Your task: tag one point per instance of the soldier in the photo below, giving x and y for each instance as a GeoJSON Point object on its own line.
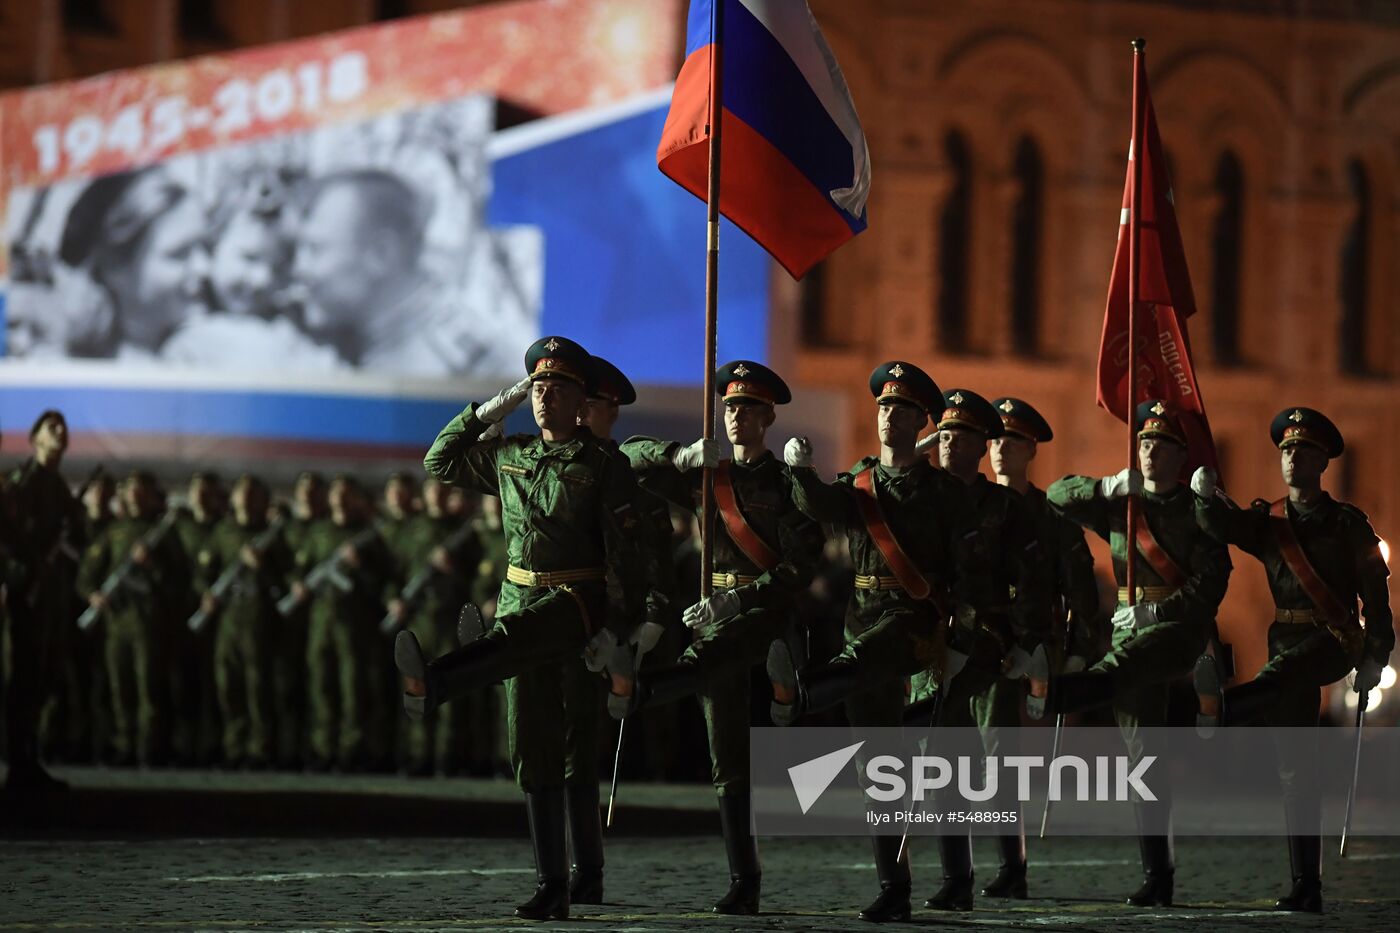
{"type": "Point", "coordinates": [1000, 617]}
{"type": "Point", "coordinates": [398, 524]}
{"type": "Point", "coordinates": [344, 574]}
{"type": "Point", "coordinates": [309, 512]}
{"type": "Point", "coordinates": [134, 577]}
{"type": "Point", "coordinates": [250, 561]}
{"type": "Point", "coordinates": [1181, 578]}
{"type": "Point", "coordinates": [570, 522]}
{"type": "Point", "coordinates": [437, 553]}
{"type": "Point", "coordinates": [1321, 555]}
{"type": "Point", "coordinates": [195, 728]}
{"type": "Point", "coordinates": [488, 725]}
{"type": "Point", "coordinates": [1078, 625]}
{"type": "Point", "coordinates": [96, 692]}
{"type": "Point", "coordinates": [44, 521]}
{"type": "Point", "coordinates": [765, 553]}
{"type": "Point", "coordinates": [896, 511]}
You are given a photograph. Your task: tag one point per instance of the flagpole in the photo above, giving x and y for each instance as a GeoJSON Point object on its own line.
{"type": "Point", "coordinates": [1134, 225]}
{"type": "Point", "coordinates": [716, 121]}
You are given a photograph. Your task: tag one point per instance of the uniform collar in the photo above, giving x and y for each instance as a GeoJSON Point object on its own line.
{"type": "Point", "coordinates": [538, 449]}
{"type": "Point", "coordinates": [763, 461]}
{"type": "Point", "coordinates": [1320, 505]}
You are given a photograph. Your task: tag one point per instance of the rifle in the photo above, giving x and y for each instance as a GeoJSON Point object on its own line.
{"type": "Point", "coordinates": [329, 571]}
{"type": "Point", "coordinates": [232, 574]}
{"type": "Point", "coordinates": [118, 577]}
{"type": "Point", "coordinates": [417, 585]}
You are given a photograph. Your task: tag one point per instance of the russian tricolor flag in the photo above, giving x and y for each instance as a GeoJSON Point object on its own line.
{"type": "Point", "coordinates": [796, 172]}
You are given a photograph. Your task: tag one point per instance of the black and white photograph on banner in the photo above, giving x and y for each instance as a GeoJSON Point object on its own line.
{"type": "Point", "coordinates": [353, 247]}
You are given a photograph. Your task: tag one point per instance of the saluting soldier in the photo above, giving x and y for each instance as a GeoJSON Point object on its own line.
{"type": "Point", "coordinates": [568, 510]}
{"type": "Point", "coordinates": [137, 616]}
{"type": "Point", "coordinates": [1181, 576]}
{"type": "Point", "coordinates": [196, 734]}
{"type": "Point", "coordinates": [898, 513]}
{"type": "Point", "coordinates": [1321, 556]}
{"type": "Point", "coordinates": [45, 524]}
{"type": "Point", "coordinates": [765, 554]}
{"type": "Point", "coordinates": [245, 619]}
{"type": "Point", "coordinates": [1078, 623]}
{"type": "Point", "coordinates": [346, 601]}
{"type": "Point", "coordinates": [1000, 616]}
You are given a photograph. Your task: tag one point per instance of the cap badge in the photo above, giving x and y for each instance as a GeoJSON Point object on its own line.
{"type": "Point", "coordinates": [1296, 416]}
{"type": "Point", "coordinates": [897, 371]}
{"type": "Point", "coordinates": [1158, 409]}
{"type": "Point", "coordinates": [956, 398]}
{"type": "Point", "coordinates": [741, 370]}
{"type": "Point", "coordinates": [551, 345]}
{"type": "Point", "coordinates": [1007, 407]}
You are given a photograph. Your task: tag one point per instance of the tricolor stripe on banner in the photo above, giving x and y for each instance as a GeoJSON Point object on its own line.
{"type": "Point", "coordinates": [796, 171]}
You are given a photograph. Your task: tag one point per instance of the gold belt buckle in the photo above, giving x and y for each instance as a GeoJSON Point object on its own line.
{"type": "Point", "coordinates": [731, 580]}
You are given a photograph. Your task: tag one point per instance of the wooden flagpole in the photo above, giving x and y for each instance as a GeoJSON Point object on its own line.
{"type": "Point", "coordinates": [1134, 226]}
{"type": "Point", "coordinates": [716, 122]}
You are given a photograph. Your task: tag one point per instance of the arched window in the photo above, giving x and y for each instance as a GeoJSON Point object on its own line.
{"type": "Point", "coordinates": [1026, 220]}
{"type": "Point", "coordinates": [1227, 248]}
{"type": "Point", "coordinates": [1355, 278]}
{"type": "Point", "coordinates": [954, 238]}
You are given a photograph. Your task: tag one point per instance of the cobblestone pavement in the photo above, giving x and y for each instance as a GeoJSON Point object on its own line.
{"type": "Point", "coordinates": [654, 883]}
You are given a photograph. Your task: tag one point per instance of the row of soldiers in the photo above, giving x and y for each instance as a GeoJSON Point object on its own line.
{"type": "Point", "coordinates": [231, 629]}
{"type": "Point", "coordinates": [971, 599]}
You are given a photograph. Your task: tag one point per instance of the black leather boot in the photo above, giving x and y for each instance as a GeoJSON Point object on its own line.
{"type": "Point", "coordinates": [428, 685]}
{"type": "Point", "coordinates": [471, 624]}
{"type": "Point", "coordinates": [955, 852]}
{"type": "Point", "coordinates": [1011, 876]}
{"type": "Point", "coordinates": [667, 684]}
{"type": "Point", "coordinates": [892, 903]}
{"type": "Point", "coordinates": [740, 847]}
{"type": "Point", "coordinates": [586, 844]}
{"type": "Point", "coordinates": [551, 901]}
{"type": "Point", "coordinates": [1073, 693]}
{"type": "Point", "coordinates": [1158, 868]}
{"type": "Point", "coordinates": [1245, 703]}
{"type": "Point", "coordinates": [816, 688]}
{"type": "Point", "coordinates": [1305, 857]}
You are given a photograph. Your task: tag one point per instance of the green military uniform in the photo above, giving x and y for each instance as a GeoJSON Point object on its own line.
{"type": "Point", "coordinates": [140, 613]}
{"type": "Point", "coordinates": [890, 634]}
{"type": "Point", "coordinates": [439, 739]}
{"type": "Point", "coordinates": [1150, 650]}
{"type": "Point", "coordinates": [487, 720]}
{"type": "Point", "coordinates": [289, 659]}
{"type": "Point", "coordinates": [1000, 607]}
{"type": "Point", "coordinates": [196, 731]}
{"type": "Point", "coordinates": [570, 525]}
{"type": "Point", "coordinates": [44, 521]}
{"type": "Point", "coordinates": [1308, 648]}
{"type": "Point", "coordinates": [244, 633]}
{"type": "Point", "coordinates": [346, 727]}
{"type": "Point", "coordinates": [762, 597]}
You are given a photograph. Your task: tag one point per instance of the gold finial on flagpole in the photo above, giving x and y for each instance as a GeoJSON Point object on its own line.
{"type": "Point", "coordinates": [1139, 44]}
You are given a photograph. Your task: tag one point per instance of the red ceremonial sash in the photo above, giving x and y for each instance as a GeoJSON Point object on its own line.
{"type": "Point", "coordinates": [1332, 606]}
{"type": "Point", "coordinates": [900, 564]}
{"type": "Point", "coordinates": [740, 531]}
{"type": "Point", "coordinates": [1157, 558]}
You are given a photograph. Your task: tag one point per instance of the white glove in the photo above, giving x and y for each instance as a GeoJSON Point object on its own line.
{"type": "Point", "coordinates": [1203, 482]}
{"type": "Point", "coordinates": [598, 653]}
{"type": "Point", "coordinates": [797, 452]}
{"type": "Point", "coordinates": [711, 609]}
{"type": "Point", "coordinates": [646, 635]}
{"type": "Point", "coordinates": [1368, 675]}
{"type": "Point", "coordinates": [702, 453]}
{"type": "Point", "coordinates": [1075, 663]}
{"type": "Point", "coordinates": [492, 432]}
{"type": "Point", "coordinates": [1122, 483]}
{"type": "Point", "coordinates": [495, 409]}
{"type": "Point", "coordinates": [922, 447]}
{"type": "Point", "coordinates": [1016, 664]}
{"type": "Point", "coordinates": [1135, 616]}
